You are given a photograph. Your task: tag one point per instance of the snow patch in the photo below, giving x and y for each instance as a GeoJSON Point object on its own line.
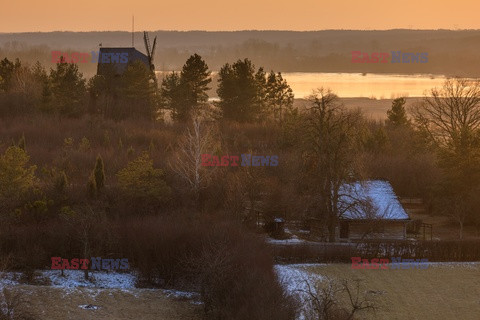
{"type": "Point", "coordinates": [297, 282]}
{"type": "Point", "coordinates": [101, 280]}
{"type": "Point", "coordinates": [88, 307]}
{"type": "Point", "coordinates": [292, 240]}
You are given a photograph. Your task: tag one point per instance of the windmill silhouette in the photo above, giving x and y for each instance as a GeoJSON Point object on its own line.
{"type": "Point", "coordinates": [150, 51]}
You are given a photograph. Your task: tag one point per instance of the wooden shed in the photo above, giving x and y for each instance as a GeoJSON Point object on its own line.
{"type": "Point", "coordinates": [371, 210]}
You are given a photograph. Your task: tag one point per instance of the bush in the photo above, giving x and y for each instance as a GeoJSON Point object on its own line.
{"type": "Point", "coordinates": [140, 182]}
{"type": "Point", "coordinates": [232, 268]}
{"type": "Point", "coordinates": [16, 178]}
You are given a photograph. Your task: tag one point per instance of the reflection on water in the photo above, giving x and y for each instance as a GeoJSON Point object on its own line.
{"type": "Point", "coordinates": [349, 85]}
{"type": "Point", "coordinates": [380, 86]}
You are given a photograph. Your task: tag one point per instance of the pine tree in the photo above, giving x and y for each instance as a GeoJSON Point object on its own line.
{"type": "Point", "coordinates": [92, 186]}
{"type": "Point", "coordinates": [194, 80]}
{"type": "Point", "coordinates": [60, 182]}
{"type": "Point", "coordinates": [239, 91]}
{"type": "Point", "coordinates": [170, 95]}
{"type": "Point", "coordinates": [279, 96]}
{"type": "Point", "coordinates": [99, 173]}
{"type": "Point", "coordinates": [397, 115]}
{"type": "Point", "coordinates": [21, 143]}
{"type": "Point", "coordinates": [138, 92]}
{"type": "Point", "coordinates": [67, 91]}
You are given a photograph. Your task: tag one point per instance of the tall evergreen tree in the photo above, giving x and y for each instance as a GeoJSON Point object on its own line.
{"type": "Point", "coordinates": [99, 173]}
{"type": "Point", "coordinates": [67, 92]}
{"type": "Point", "coordinates": [194, 80]}
{"type": "Point", "coordinates": [239, 92]}
{"type": "Point", "coordinates": [7, 69]}
{"type": "Point", "coordinates": [139, 91]}
{"type": "Point", "coordinates": [397, 115]}
{"type": "Point", "coordinates": [279, 96]}
{"type": "Point", "coordinates": [171, 95]}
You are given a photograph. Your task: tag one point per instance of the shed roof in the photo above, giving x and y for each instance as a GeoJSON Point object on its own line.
{"type": "Point", "coordinates": [371, 199]}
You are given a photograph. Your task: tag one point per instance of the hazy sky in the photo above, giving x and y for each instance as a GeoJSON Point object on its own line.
{"type": "Point", "coordinates": [88, 15]}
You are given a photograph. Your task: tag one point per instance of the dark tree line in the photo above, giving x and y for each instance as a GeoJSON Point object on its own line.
{"type": "Point", "coordinates": [245, 94]}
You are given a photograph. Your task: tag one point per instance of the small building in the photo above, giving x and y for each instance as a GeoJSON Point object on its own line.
{"type": "Point", "coordinates": [370, 209]}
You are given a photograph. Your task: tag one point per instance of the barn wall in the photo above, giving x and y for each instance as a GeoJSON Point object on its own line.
{"type": "Point", "coordinates": [388, 230]}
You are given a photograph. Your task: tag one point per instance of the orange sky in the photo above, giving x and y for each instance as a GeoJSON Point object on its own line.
{"type": "Point", "coordinates": [89, 15]}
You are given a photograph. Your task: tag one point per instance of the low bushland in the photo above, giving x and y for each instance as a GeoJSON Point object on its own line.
{"type": "Point", "coordinates": [230, 266]}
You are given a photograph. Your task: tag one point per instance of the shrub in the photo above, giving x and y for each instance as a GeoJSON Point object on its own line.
{"type": "Point", "coordinates": [99, 173]}
{"type": "Point", "coordinates": [16, 178]}
{"type": "Point", "coordinates": [141, 182]}
{"type": "Point", "coordinates": [231, 267]}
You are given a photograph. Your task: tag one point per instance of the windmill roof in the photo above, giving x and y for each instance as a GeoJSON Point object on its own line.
{"type": "Point", "coordinates": [120, 67]}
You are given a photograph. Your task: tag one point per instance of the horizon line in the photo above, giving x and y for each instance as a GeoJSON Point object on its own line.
{"type": "Point", "coordinates": [243, 30]}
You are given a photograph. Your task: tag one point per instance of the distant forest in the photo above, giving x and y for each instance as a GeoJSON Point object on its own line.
{"type": "Point", "coordinates": [450, 52]}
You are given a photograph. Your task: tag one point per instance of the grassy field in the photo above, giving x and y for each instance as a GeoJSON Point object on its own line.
{"type": "Point", "coordinates": [443, 291]}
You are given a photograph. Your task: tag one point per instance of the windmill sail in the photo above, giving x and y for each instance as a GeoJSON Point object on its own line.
{"type": "Point", "coordinates": [150, 50]}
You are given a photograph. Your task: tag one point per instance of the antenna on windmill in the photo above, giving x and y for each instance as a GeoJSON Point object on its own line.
{"type": "Point", "coordinates": [150, 51]}
{"type": "Point", "coordinates": [133, 31]}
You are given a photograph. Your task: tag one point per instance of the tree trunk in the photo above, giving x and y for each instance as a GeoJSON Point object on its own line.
{"type": "Point", "coordinates": [461, 230]}
{"type": "Point", "coordinates": [332, 224]}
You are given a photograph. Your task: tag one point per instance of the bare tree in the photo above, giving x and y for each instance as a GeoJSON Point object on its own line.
{"type": "Point", "coordinates": [326, 299]}
{"type": "Point", "coordinates": [451, 115]}
{"type": "Point", "coordinates": [84, 220]}
{"type": "Point", "coordinates": [457, 209]}
{"type": "Point", "coordinates": [331, 151]}
{"type": "Point", "coordinates": [450, 119]}
{"type": "Point", "coordinates": [197, 140]}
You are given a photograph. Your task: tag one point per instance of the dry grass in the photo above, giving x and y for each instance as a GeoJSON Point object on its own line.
{"type": "Point", "coordinates": [42, 302]}
{"type": "Point", "coordinates": [440, 292]}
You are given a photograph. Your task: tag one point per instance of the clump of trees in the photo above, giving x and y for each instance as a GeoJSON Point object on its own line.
{"type": "Point", "coordinates": [185, 93]}
{"type": "Point", "coordinates": [449, 119]}
{"type": "Point", "coordinates": [248, 95]}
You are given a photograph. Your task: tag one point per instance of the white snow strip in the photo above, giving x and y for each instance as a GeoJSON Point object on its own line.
{"type": "Point", "coordinates": [98, 281]}
{"type": "Point", "coordinates": [292, 240]}
{"type": "Point", "coordinates": [295, 279]}
{"type": "Point", "coordinates": [101, 280]}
